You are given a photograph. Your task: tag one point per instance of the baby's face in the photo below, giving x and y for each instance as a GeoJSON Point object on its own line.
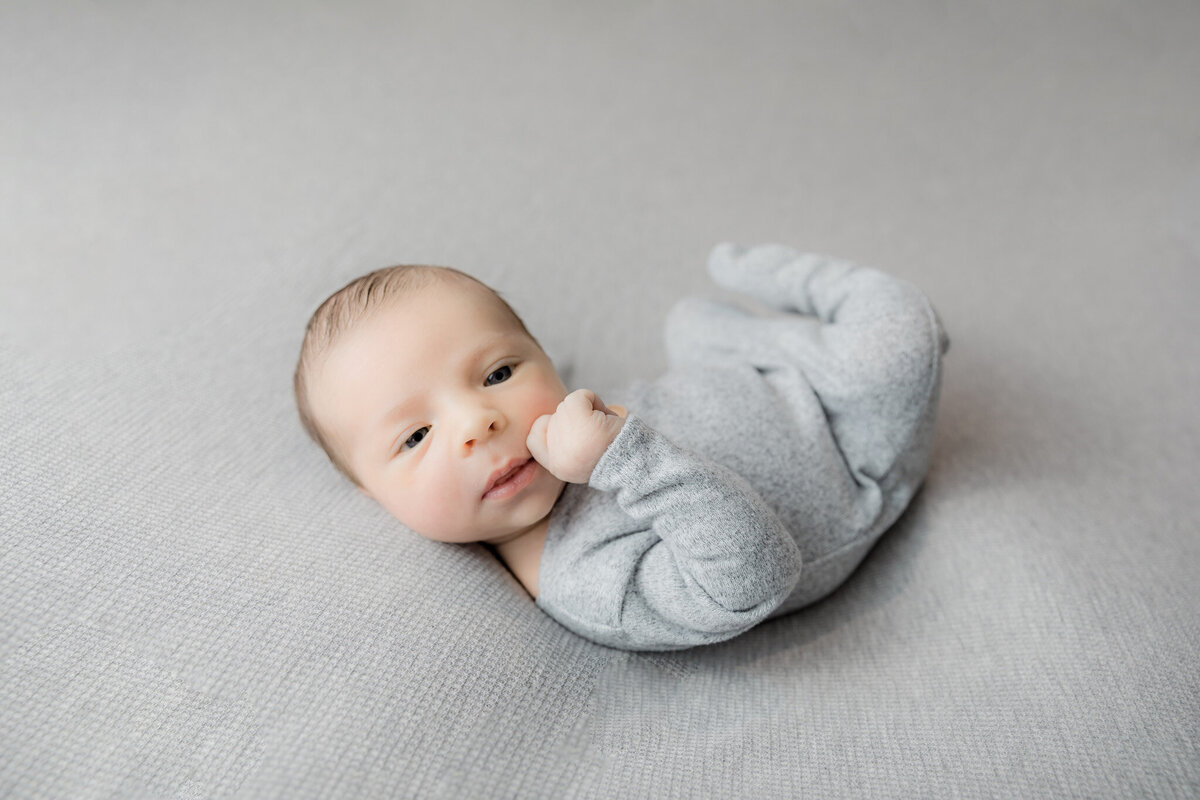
{"type": "Point", "coordinates": [430, 401]}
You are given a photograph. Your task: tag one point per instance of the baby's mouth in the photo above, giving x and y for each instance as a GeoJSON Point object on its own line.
{"type": "Point", "coordinates": [514, 477]}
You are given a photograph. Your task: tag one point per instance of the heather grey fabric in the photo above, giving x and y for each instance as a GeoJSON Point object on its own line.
{"type": "Point", "coordinates": [751, 478]}
{"type": "Point", "coordinates": [193, 604]}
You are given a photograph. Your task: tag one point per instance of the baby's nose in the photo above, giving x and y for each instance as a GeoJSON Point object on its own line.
{"type": "Point", "coordinates": [482, 428]}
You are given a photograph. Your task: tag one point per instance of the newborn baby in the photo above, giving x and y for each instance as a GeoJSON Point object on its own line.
{"type": "Point", "coordinates": [748, 481]}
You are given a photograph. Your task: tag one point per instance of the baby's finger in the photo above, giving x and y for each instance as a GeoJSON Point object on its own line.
{"type": "Point", "coordinates": [593, 402]}
{"type": "Point", "coordinates": [536, 441]}
{"type": "Point", "coordinates": [599, 405]}
{"type": "Point", "coordinates": [580, 403]}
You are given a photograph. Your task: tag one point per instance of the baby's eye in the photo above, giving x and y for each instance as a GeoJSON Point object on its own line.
{"type": "Point", "coordinates": [415, 439]}
{"type": "Point", "coordinates": [499, 376]}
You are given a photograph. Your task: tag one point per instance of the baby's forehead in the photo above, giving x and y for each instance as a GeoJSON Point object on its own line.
{"type": "Point", "coordinates": [446, 312]}
{"type": "Point", "coordinates": [405, 346]}
{"type": "Point", "coordinates": [470, 305]}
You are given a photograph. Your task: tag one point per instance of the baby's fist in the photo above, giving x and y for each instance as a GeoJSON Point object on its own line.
{"type": "Point", "coordinates": [570, 442]}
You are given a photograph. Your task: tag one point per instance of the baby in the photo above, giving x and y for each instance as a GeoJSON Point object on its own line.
{"type": "Point", "coordinates": [748, 481]}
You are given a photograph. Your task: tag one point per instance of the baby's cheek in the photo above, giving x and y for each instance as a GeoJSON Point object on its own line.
{"type": "Point", "coordinates": [439, 511]}
{"type": "Point", "coordinates": [546, 400]}
{"type": "Point", "coordinates": [432, 508]}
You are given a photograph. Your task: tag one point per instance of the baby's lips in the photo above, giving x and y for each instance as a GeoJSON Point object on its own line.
{"type": "Point", "coordinates": [511, 467]}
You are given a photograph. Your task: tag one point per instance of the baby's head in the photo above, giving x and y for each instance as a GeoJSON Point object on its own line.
{"type": "Point", "coordinates": [421, 385]}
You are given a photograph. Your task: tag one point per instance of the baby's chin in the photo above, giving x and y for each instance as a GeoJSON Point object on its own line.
{"type": "Point", "coordinates": [475, 536]}
{"type": "Point", "coordinates": [534, 515]}
{"type": "Point", "coordinates": [444, 536]}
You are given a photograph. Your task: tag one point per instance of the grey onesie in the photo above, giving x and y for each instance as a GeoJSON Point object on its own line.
{"type": "Point", "coordinates": [753, 477]}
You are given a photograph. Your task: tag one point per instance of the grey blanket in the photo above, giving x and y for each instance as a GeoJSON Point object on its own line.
{"type": "Point", "coordinates": [193, 605]}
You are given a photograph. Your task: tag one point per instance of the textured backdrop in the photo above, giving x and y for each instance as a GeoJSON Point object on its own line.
{"type": "Point", "coordinates": [193, 604]}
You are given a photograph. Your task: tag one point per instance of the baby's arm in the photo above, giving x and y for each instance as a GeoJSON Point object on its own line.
{"type": "Point", "coordinates": [721, 560]}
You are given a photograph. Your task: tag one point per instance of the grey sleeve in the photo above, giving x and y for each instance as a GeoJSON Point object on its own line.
{"type": "Point", "coordinates": [722, 560]}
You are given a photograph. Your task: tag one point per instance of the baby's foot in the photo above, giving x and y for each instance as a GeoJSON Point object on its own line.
{"type": "Point", "coordinates": [773, 274]}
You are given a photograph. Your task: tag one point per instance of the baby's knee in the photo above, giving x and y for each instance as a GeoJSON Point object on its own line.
{"type": "Point", "coordinates": [900, 324]}
{"type": "Point", "coordinates": [905, 359]}
{"type": "Point", "coordinates": [892, 358]}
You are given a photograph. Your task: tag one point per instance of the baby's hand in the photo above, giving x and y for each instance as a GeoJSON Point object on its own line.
{"type": "Point", "coordinates": [570, 442]}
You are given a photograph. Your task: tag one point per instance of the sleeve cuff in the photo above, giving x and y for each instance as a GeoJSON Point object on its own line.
{"type": "Point", "coordinates": [626, 455]}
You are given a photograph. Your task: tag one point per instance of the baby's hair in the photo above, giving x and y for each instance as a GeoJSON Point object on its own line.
{"type": "Point", "coordinates": [350, 305]}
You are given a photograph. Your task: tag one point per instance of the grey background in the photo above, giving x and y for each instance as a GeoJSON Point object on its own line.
{"type": "Point", "coordinates": [193, 604]}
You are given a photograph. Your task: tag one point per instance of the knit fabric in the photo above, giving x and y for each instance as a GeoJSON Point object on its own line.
{"type": "Point", "coordinates": [194, 605]}
{"type": "Point", "coordinates": [751, 478]}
